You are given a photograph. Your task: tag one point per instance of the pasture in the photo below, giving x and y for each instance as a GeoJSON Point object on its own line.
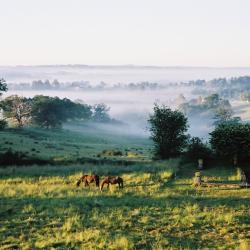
{"type": "Point", "coordinates": [41, 207]}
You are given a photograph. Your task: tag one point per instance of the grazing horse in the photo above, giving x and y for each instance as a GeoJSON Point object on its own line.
{"type": "Point", "coordinates": [112, 180]}
{"type": "Point", "coordinates": [87, 179]}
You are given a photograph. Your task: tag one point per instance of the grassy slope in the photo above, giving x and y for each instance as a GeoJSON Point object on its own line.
{"type": "Point", "coordinates": [75, 141]}
{"type": "Point", "coordinates": [40, 207]}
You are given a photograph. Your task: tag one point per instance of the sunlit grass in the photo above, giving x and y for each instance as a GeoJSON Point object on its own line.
{"type": "Point", "coordinates": [41, 208]}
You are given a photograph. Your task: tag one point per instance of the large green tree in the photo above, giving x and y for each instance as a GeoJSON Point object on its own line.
{"type": "Point", "coordinates": [51, 112]}
{"type": "Point", "coordinates": [231, 141]}
{"type": "Point", "coordinates": [168, 130]}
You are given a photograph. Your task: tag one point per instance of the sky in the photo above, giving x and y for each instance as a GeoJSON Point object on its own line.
{"type": "Point", "coordinates": [213, 33]}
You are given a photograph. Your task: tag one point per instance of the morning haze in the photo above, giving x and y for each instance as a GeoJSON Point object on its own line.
{"type": "Point", "coordinates": [124, 124]}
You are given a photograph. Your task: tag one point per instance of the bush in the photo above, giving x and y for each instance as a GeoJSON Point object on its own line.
{"type": "Point", "coordinates": [111, 153]}
{"type": "Point", "coordinates": [196, 149]}
{"type": "Point", "coordinates": [232, 141]}
{"type": "Point", "coordinates": [3, 124]}
{"type": "Point", "coordinates": [11, 157]}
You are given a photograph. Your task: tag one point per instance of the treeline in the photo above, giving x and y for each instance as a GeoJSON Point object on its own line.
{"type": "Point", "coordinates": [47, 112]}
{"type": "Point", "coordinates": [82, 85]}
{"type": "Point", "coordinates": [228, 87]}
{"type": "Point", "coordinates": [232, 88]}
{"type": "Point", "coordinates": [220, 108]}
{"type": "Point", "coordinates": [228, 141]}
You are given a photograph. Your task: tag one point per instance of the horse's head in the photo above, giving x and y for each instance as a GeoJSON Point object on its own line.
{"type": "Point", "coordinates": [78, 183]}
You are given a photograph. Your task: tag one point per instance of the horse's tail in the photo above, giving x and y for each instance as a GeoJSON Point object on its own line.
{"type": "Point", "coordinates": [122, 183]}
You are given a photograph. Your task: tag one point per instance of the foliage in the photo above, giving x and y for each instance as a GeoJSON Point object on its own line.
{"type": "Point", "coordinates": [196, 149]}
{"type": "Point", "coordinates": [212, 101]}
{"type": "Point", "coordinates": [231, 140]}
{"type": "Point", "coordinates": [17, 108]}
{"type": "Point", "coordinates": [100, 113]}
{"type": "Point", "coordinates": [3, 86]}
{"type": "Point", "coordinates": [111, 153]}
{"type": "Point", "coordinates": [3, 124]}
{"type": "Point", "coordinates": [167, 129]}
{"type": "Point", "coordinates": [51, 112]}
{"type": "Point", "coordinates": [224, 115]}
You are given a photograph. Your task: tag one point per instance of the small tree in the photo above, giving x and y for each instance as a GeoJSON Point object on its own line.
{"type": "Point", "coordinates": [196, 149]}
{"type": "Point", "coordinates": [224, 114]}
{"type": "Point", "coordinates": [231, 141]}
{"type": "Point", "coordinates": [167, 129]}
{"type": "Point", "coordinates": [16, 108]}
{"type": "Point", "coordinates": [212, 101]}
{"type": "Point", "coordinates": [100, 113]}
{"type": "Point", "coordinates": [3, 86]}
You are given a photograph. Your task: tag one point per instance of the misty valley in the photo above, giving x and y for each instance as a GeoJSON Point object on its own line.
{"type": "Point", "coordinates": [128, 164]}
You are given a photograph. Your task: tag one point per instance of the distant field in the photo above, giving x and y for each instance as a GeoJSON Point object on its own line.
{"type": "Point", "coordinates": [75, 141]}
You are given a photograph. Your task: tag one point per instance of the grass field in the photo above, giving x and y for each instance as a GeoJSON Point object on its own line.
{"type": "Point", "coordinates": [41, 207]}
{"type": "Point", "coordinates": [75, 141]}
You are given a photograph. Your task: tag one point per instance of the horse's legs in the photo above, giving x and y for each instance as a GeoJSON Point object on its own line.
{"type": "Point", "coordinates": [102, 185]}
{"type": "Point", "coordinates": [86, 183]}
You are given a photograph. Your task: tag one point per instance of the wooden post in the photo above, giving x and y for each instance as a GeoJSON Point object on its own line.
{"type": "Point", "coordinates": [197, 179]}
{"type": "Point", "coordinates": [200, 164]}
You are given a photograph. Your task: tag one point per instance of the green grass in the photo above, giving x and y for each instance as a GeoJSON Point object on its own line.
{"type": "Point", "coordinates": [76, 141]}
{"type": "Point", "coordinates": [41, 208]}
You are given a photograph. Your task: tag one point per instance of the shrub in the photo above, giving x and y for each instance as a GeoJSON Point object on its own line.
{"type": "Point", "coordinates": [3, 124]}
{"type": "Point", "coordinates": [231, 141]}
{"type": "Point", "coordinates": [112, 153]}
{"type": "Point", "coordinates": [196, 149]}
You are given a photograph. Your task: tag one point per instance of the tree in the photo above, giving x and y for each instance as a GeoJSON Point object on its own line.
{"type": "Point", "coordinates": [3, 86]}
{"type": "Point", "coordinates": [196, 149]}
{"type": "Point", "coordinates": [167, 129]}
{"type": "Point", "coordinates": [51, 112]}
{"type": "Point", "coordinates": [17, 108]}
{"type": "Point", "coordinates": [231, 141]}
{"type": "Point", "coordinates": [212, 101]}
{"type": "Point", "coordinates": [47, 112]}
{"type": "Point", "coordinates": [223, 115]}
{"type": "Point", "coordinates": [100, 113]}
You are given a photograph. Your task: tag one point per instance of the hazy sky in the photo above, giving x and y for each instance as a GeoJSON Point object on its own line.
{"type": "Point", "coordinates": [144, 32]}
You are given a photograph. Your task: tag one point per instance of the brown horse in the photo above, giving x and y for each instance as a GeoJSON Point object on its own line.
{"type": "Point", "coordinates": [112, 180]}
{"type": "Point", "coordinates": [87, 179]}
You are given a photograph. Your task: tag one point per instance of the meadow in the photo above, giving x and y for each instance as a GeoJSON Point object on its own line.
{"type": "Point", "coordinates": [41, 207]}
